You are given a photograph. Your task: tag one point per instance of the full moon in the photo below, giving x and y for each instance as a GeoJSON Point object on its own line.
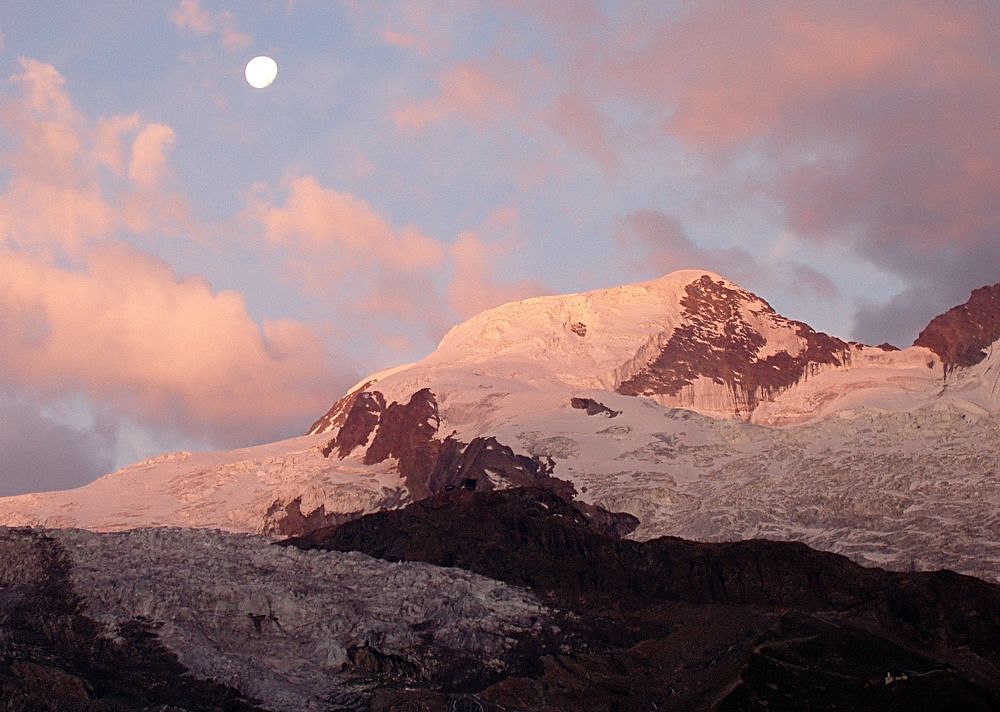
{"type": "Point", "coordinates": [261, 71]}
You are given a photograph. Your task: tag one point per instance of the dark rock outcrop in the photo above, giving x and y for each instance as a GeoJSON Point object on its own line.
{"type": "Point", "coordinates": [363, 414]}
{"type": "Point", "coordinates": [961, 335]}
{"type": "Point", "coordinates": [407, 433]}
{"type": "Point", "coordinates": [335, 417]}
{"type": "Point", "coordinates": [288, 519]}
{"type": "Point", "coordinates": [716, 341]}
{"type": "Point", "coordinates": [486, 464]}
{"type": "Point", "coordinates": [593, 407]}
{"type": "Point", "coordinates": [428, 464]}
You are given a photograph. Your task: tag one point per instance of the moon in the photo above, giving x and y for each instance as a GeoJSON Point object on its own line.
{"type": "Point", "coordinates": [261, 71]}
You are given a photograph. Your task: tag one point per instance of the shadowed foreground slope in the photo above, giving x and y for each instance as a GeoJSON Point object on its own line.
{"type": "Point", "coordinates": [53, 657]}
{"type": "Point", "coordinates": [683, 625]}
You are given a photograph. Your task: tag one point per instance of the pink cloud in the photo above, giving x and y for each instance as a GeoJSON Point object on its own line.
{"type": "Point", "coordinates": [58, 195]}
{"type": "Point", "coordinates": [109, 147]}
{"type": "Point", "coordinates": [335, 246]}
{"type": "Point", "coordinates": [188, 15]}
{"type": "Point", "coordinates": [729, 74]}
{"type": "Point", "coordinates": [127, 331]}
{"type": "Point", "coordinates": [413, 25]}
{"type": "Point", "coordinates": [583, 126]}
{"type": "Point", "coordinates": [45, 94]}
{"type": "Point", "coordinates": [47, 216]}
{"type": "Point", "coordinates": [320, 220]}
{"type": "Point", "coordinates": [474, 286]}
{"type": "Point", "coordinates": [149, 159]}
{"type": "Point", "coordinates": [467, 91]}
{"type": "Point", "coordinates": [404, 40]}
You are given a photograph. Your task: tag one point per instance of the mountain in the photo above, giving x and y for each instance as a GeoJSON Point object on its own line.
{"type": "Point", "coordinates": [686, 404]}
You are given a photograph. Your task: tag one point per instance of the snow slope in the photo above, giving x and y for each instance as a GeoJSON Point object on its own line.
{"type": "Point", "coordinates": [730, 421]}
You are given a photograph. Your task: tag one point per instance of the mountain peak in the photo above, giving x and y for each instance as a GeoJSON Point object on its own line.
{"type": "Point", "coordinates": [732, 337]}
{"type": "Point", "coordinates": [689, 338]}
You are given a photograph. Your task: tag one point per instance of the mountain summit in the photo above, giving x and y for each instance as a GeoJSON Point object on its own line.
{"type": "Point", "coordinates": [685, 403]}
{"type": "Point", "coordinates": [690, 338]}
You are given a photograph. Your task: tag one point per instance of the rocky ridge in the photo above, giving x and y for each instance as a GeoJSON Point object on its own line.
{"type": "Point", "coordinates": [963, 334]}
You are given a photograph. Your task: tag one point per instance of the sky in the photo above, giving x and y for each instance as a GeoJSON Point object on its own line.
{"type": "Point", "coordinates": [187, 262]}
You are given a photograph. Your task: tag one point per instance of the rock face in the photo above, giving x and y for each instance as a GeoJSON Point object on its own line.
{"type": "Point", "coordinates": [407, 433]}
{"type": "Point", "coordinates": [364, 412]}
{"type": "Point", "coordinates": [694, 626]}
{"type": "Point", "coordinates": [593, 407]}
{"type": "Point", "coordinates": [339, 411]}
{"type": "Point", "coordinates": [962, 335]}
{"type": "Point", "coordinates": [723, 337]}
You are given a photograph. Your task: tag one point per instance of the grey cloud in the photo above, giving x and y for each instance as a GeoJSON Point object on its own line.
{"type": "Point", "coordinates": [39, 453]}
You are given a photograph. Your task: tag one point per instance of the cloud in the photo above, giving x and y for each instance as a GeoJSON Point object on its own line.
{"type": "Point", "coordinates": [335, 245]}
{"type": "Point", "coordinates": [149, 159]}
{"type": "Point", "coordinates": [83, 313]}
{"type": "Point", "coordinates": [108, 144]}
{"type": "Point", "coordinates": [466, 91]}
{"type": "Point", "coordinates": [876, 123]}
{"type": "Point", "coordinates": [474, 286]}
{"type": "Point", "coordinates": [318, 219]}
{"type": "Point", "coordinates": [128, 332]}
{"type": "Point", "coordinates": [657, 243]}
{"type": "Point", "coordinates": [404, 40]}
{"type": "Point", "coordinates": [395, 286]}
{"type": "Point", "coordinates": [729, 74]}
{"type": "Point", "coordinates": [585, 127]}
{"type": "Point", "coordinates": [66, 186]}
{"type": "Point", "coordinates": [906, 313]}
{"type": "Point", "coordinates": [412, 25]}
{"type": "Point", "coordinates": [189, 16]}
{"type": "Point", "coordinates": [40, 453]}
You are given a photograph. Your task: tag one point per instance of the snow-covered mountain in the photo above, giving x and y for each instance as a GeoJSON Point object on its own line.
{"type": "Point", "coordinates": [685, 401]}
